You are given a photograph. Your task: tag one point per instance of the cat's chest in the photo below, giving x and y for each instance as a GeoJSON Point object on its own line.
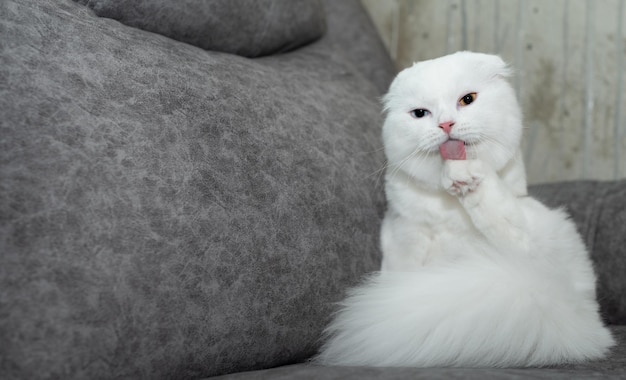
{"type": "Point", "coordinates": [432, 209]}
{"type": "Point", "coordinates": [420, 231]}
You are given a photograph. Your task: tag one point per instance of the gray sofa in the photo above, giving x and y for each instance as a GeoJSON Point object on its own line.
{"type": "Point", "coordinates": [187, 186]}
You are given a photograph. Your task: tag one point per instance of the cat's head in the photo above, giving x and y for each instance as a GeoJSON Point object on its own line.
{"type": "Point", "coordinates": [463, 96]}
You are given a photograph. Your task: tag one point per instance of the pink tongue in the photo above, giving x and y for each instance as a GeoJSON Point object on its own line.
{"type": "Point", "coordinates": [452, 150]}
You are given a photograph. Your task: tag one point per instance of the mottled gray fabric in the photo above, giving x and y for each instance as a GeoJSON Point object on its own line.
{"type": "Point", "coordinates": [170, 212]}
{"type": "Point", "coordinates": [250, 28]}
{"type": "Point", "coordinates": [614, 367]}
{"type": "Point", "coordinates": [599, 210]}
{"type": "Point", "coordinates": [354, 35]}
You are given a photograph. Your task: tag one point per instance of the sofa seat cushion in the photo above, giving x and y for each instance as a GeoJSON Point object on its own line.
{"type": "Point", "coordinates": [250, 28]}
{"type": "Point", "coordinates": [614, 367]}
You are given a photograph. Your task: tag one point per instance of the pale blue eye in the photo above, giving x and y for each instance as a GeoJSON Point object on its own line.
{"type": "Point", "coordinates": [419, 113]}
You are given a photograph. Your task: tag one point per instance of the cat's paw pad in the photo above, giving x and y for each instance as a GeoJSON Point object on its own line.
{"type": "Point", "coordinates": [462, 188]}
{"type": "Point", "coordinates": [461, 177]}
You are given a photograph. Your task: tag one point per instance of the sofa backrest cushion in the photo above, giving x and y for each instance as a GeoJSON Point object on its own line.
{"type": "Point", "coordinates": [168, 212]}
{"type": "Point", "coordinates": [250, 28]}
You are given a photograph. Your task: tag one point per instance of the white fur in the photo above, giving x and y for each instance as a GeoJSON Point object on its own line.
{"type": "Point", "coordinates": [474, 272]}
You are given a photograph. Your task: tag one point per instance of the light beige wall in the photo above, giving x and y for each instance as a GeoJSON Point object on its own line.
{"type": "Point", "coordinates": [569, 57]}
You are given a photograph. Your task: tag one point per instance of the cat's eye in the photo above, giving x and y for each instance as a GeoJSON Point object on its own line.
{"type": "Point", "coordinates": [419, 113]}
{"type": "Point", "coordinates": [467, 99]}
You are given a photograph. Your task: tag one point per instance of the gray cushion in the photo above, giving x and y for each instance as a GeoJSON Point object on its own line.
{"type": "Point", "coordinates": [250, 28]}
{"type": "Point", "coordinates": [169, 212]}
{"type": "Point", "coordinates": [362, 44]}
{"type": "Point", "coordinates": [599, 210]}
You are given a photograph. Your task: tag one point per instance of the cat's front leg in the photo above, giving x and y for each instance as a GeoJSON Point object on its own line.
{"type": "Point", "coordinates": [493, 208]}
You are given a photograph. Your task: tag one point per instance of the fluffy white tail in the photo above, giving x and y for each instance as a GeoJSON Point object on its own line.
{"type": "Point", "coordinates": [476, 314]}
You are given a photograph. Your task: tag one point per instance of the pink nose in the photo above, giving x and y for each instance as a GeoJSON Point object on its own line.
{"type": "Point", "coordinates": [447, 126]}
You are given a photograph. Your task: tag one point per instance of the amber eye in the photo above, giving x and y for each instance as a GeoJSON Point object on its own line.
{"type": "Point", "coordinates": [419, 113]}
{"type": "Point", "coordinates": [467, 99]}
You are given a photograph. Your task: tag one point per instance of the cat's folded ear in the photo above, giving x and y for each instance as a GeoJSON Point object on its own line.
{"type": "Point", "coordinates": [412, 80]}
{"type": "Point", "coordinates": [495, 65]}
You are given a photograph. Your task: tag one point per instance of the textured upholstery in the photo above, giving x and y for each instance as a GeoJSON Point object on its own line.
{"type": "Point", "coordinates": [170, 212]}
{"type": "Point", "coordinates": [250, 28]}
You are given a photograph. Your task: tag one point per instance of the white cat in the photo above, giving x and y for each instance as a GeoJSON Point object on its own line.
{"type": "Point", "coordinates": [475, 272]}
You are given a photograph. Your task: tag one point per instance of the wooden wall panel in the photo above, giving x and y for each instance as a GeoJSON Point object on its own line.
{"type": "Point", "coordinates": [569, 58]}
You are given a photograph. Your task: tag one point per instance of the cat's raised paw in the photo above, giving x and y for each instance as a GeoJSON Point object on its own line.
{"type": "Point", "coordinates": [461, 177]}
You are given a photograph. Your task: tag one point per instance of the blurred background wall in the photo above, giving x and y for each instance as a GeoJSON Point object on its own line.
{"type": "Point", "coordinates": [569, 58]}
